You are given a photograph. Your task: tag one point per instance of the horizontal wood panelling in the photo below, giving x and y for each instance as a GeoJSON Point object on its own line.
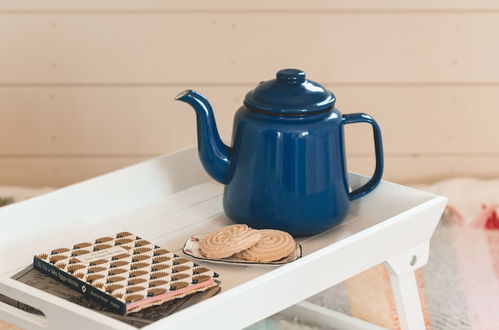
{"type": "Point", "coordinates": [245, 5]}
{"type": "Point", "coordinates": [88, 87]}
{"type": "Point", "coordinates": [147, 121]}
{"type": "Point", "coordinates": [246, 47]}
{"type": "Point", "coordinates": [58, 171]}
{"type": "Point", "coordinates": [61, 171]}
{"type": "Point", "coordinates": [428, 168]}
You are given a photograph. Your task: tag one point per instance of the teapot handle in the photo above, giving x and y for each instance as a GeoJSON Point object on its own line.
{"type": "Point", "coordinates": [378, 146]}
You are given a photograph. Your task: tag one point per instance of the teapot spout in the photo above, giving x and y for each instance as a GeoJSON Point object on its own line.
{"type": "Point", "coordinates": [214, 154]}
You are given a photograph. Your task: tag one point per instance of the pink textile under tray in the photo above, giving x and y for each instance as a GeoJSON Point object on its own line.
{"type": "Point", "coordinates": [459, 287]}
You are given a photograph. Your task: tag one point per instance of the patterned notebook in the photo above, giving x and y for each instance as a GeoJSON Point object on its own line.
{"type": "Point", "coordinates": [125, 273]}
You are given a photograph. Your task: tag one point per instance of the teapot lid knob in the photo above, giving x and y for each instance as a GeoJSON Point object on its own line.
{"type": "Point", "coordinates": [290, 76]}
{"type": "Point", "coordinates": [290, 94]}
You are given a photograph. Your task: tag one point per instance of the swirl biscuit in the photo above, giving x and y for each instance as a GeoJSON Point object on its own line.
{"type": "Point", "coordinates": [273, 245]}
{"type": "Point", "coordinates": [229, 240]}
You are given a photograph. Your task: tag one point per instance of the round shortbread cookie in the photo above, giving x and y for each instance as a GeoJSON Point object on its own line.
{"type": "Point", "coordinates": [229, 240]}
{"type": "Point", "coordinates": [273, 245]}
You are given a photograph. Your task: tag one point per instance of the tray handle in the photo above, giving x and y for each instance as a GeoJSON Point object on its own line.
{"type": "Point", "coordinates": [22, 318]}
{"type": "Point", "coordinates": [59, 313]}
{"type": "Point", "coordinates": [18, 316]}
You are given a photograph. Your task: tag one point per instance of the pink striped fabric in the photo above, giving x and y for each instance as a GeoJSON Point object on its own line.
{"type": "Point", "coordinates": [459, 287]}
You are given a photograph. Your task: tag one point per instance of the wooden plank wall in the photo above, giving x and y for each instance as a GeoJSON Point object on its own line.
{"type": "Point", "coordinates": [87, 87]}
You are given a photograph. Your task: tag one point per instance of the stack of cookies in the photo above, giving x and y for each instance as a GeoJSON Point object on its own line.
{"type": "Point", "coordinates": [243, 242]}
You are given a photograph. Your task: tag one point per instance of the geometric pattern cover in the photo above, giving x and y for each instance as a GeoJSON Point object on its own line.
{"type": "Point", "coordinates": [125, 272]}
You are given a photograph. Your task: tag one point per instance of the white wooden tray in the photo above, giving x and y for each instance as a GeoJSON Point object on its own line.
{"type": "Point", "coordinates": [169, 198]}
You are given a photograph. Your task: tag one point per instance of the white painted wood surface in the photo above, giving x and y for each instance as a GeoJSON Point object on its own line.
{"type": "Point", "coordinates": [88, 87]}
{"type": "Point", "coordinates": [166, 201]}
{"type": "Point", "coordinates": [402, 269]}
{"type": "Point", "coordinates": [325, 318]}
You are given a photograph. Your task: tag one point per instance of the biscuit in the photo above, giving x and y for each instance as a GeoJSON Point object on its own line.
{"type": "Point", "coordinates": [229, 240]}
{"type": "Point", "coordinates": [273, 245]}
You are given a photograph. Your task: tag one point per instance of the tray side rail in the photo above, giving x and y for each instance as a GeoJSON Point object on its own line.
{"type": "Point", "coordinates": [275, 291]}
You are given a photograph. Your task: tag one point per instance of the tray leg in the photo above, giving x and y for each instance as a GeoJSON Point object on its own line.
{"type": "Point", "coordinates": [405, 289]}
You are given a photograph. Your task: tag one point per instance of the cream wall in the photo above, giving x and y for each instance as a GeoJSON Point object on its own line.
{"type": "Point", "coordinates": [88, 86]}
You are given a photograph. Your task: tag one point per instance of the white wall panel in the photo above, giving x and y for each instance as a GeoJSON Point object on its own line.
{"type": "Point", "coordinates": [147, 121]}
{"type": "Point", "coordinates": [239, 48]}
{"type": "Point", "coordinates": [88, 86]}
{"type": "Point", "coordinates": [57, 171]}
{"type": "Point", "coordinates": [61, 171]}
{"type": "Point", "coordinates": [280, 5]}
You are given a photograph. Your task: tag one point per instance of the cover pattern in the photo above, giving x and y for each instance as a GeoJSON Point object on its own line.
{"type": "Point", "coordinates": [131, 270]}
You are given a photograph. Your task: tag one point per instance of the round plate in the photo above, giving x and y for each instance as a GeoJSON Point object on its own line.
{"type": "Point", "coordinates": [191, 248]}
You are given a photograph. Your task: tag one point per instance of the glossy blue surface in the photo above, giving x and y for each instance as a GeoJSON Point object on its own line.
{"type": "Point", "coordinates": [289, 93]}
{"type": "Point", "coordinates": [378, 149]}
{"type": "Point", "coordinates": [214, 154]}
{"type": "Point", "coordinates": [283, 171]}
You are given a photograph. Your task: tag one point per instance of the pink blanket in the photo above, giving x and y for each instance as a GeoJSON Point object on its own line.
{"type": "Point", "coordinates": [459, 287]}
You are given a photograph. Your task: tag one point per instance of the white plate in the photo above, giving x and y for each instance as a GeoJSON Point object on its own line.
{"type": "Point", "coordinates": [191, 248]}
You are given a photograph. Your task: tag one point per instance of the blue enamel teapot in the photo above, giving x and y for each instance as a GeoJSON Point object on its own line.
{"type": "Point", "coordinates": [285, 168]}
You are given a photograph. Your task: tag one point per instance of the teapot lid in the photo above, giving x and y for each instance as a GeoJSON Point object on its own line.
{"type": "Point", "coordinates": [289, 93]}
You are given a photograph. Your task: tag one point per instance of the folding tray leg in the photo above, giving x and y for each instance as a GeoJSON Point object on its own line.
{"type": "Point", "coordinates": [404, 285]}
